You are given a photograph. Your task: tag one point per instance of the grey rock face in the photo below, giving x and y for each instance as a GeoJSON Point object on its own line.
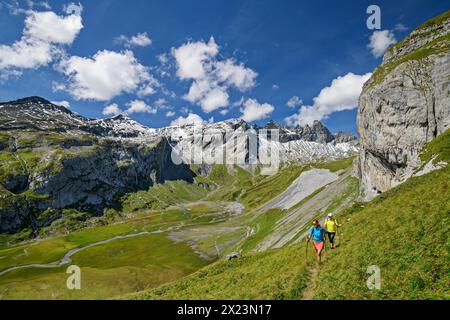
{"type": "Point", "coordinates": [15, 213]}
{"type": "Point", "coordinates": [343, 137]}
{"type": "Point", "coordinates": [403, 106]}
{"type": "Point", "coordinates": [92, 182]}
{"type": "Point", "coordinates": [233, 255]}
{"type": "Point", "coordinates": [80, 163]}
{"type": "Point", "coordinates": [318, 133]}
{"type": "Point", "coordinates": [315, 133]}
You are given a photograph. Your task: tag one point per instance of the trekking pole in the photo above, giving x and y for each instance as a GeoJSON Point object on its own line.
{"type": "Point", "coordinates": [306, 248]}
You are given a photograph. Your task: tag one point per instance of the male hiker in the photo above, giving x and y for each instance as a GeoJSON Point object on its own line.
{"type": "Point", "coordinates": [331, 225]}
{"type": "Point", "coordinates": [318, 234]}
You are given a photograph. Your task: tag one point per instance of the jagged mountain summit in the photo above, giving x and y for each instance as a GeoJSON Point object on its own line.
{"type": "Point", "coordinates": [40, 114]}
{"type": "Point", "coordinates": [315, 133]}
{"type": "Point", "coordinates": [37, 113]}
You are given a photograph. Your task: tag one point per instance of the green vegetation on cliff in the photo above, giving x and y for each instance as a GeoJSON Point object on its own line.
{"type": "Point", "coordinates": [435, 47]}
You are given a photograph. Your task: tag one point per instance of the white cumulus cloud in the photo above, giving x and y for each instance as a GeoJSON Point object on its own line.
{"type": "Point", "coordinates": [211, 77]}
{"type": "Point", "coordinates": [235, 74]}
{"type": "Point", "coordinates": [134, 106]}
{"type": "Point", "coordinates": [148, 89]}
{"type": "Point", "coordinates": [139, 106]}
{"type": "Point", "coordinates": [194, 58]}
{"type": "Point", "coordinates": [214, 99]}
{"type": "Point", "coordinates": [43, 38]}
{"type": "Point", "coordinates": [252, 110]}
{"type": "Point", "coordinates": [294, 102]}
{"type": "Point", "coordinates": [163, 104]}
{"type": "Point", "coordinates": [139, 40]}
{"type": "Point", "coordinates": [112, 109]}
{"type": "Point", "coordinates": [51, 28]}
{"type": "Point", "coordinates": [191, 118]}
{"type": "Point", "coordinates": [106, 75]}
{"type": "Point", "coordinates": [380, 41]}
{"type": "Point", "coordinates": [342, 94]}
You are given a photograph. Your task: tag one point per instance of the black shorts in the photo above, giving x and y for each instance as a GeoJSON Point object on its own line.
{"type": "Point", "coordinates": [331, 236]}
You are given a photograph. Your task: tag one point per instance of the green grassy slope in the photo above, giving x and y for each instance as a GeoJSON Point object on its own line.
{"type": "Point", "coordinates": [161, 196]}
{"type": "Point", "coordinates": [273, 274]}
{"type": "Point", "coordinates": [404, 232]}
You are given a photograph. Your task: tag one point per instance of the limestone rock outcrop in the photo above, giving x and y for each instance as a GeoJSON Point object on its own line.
{"type": "Point", "coordinates": [404, 105]}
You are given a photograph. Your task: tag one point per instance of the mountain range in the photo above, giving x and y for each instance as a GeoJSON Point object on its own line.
{"type": "Point", "coordinates": [40, 114]}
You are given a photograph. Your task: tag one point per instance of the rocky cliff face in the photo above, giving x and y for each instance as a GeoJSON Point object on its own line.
{"type": "Point", "coordinates": [404, 105]}
{"type": "Point", "coordinates": [317, 132]}
{"type": "Point", "coordinates": [52, 160]}
{"type": "Point", "coordinates": [87, 179]}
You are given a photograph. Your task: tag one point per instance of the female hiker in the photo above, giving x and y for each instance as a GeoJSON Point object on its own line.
{"type": "Point", "coordinates": [318, 234]}
{"type": "Point", "coordinates": [331, 225]}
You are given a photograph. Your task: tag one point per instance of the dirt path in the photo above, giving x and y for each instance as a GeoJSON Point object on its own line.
{"type": "Point", "coordinates": [308, 294]}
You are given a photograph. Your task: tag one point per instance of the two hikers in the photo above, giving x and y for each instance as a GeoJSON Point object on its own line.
{"type": "Point", "coordinates": [331, 225]}
{"type": "Point", "coordinates": [318, 234]}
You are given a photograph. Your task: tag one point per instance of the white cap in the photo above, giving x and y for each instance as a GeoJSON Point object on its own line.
{"type": "Point", "coordinates": [330, 215]}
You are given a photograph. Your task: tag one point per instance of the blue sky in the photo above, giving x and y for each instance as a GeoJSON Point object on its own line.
{"type": "Point", "coordinates": [262, 54]}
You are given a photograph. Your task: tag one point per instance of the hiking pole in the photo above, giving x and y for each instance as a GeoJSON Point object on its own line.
{"type": "Point", "coordinates": [306, 250]}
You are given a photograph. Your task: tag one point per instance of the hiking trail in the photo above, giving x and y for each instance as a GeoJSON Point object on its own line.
{"type": "Point", "coordinates": [308, 293]}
